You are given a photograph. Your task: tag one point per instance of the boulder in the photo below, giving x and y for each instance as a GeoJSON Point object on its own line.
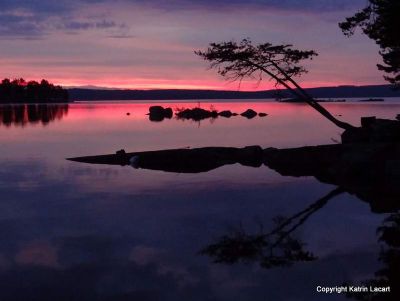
{"type": "Point", "coordinates": [196, 114]}
{"type": "Point", "coordinates": [158, 113]}
{"type": "Point", "coordinates": [373, 130]}
{"type": "Point", "coordinates": [249, 113]}
{"type": "Point", "coordinates": [226, 114]}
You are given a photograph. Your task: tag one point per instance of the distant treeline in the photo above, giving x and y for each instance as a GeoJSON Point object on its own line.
{"type": "Point", "coordinates": [323, 92]}
{"type": "Point", "coordinates": [20, 91]}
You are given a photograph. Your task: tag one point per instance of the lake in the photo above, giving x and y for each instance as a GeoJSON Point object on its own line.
{"type": "Point", "coordinates": [74, 231]}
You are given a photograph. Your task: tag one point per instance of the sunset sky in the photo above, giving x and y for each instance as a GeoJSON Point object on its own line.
{"type": "Point", "coordinates": [150, 43]}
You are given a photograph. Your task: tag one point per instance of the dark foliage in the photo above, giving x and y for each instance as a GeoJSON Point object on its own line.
{"type": "Point", "coordinates": [380, 21]}
{"type": "Point", "coordinates": [236, 61]}
{"type": "Point", "coordinates": [281, 63]}
{"type": "Point", "coordinates": [20, 91]}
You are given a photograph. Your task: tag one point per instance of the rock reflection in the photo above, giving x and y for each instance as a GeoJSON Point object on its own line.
{"type": "Point", "coordinates": [30, 114]}
{"type": "Point", "coordinates": [368, 171]}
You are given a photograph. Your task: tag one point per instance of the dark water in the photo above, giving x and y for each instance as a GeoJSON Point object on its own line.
{"type": "Point", "coordinates": [71, 231]}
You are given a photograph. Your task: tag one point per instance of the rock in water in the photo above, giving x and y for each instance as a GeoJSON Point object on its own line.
{"type": "Point", "coordinates": [156, 110]}
{"type": "Point", "coordinates": [158, 113]}
{"type": "Point", "coordinates": [249, 113]}
{"type": "Point", "coordinates": [196, 114]}
{"type": "Point", "coordinates": [134, 161]}
{"type": "Point", "coordinates": [168, 113]}
{"type": "Point", "coordinates": [226, 114]}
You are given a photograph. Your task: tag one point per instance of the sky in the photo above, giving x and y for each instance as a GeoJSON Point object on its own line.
{"type": "Point", "coordinates": [147, 44]}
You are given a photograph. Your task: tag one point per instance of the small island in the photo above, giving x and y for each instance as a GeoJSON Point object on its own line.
{"type": "Point", "coordinates": [21, 91]}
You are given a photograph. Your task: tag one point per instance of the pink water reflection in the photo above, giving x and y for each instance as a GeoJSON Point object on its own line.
{"type": "Point", "coordinates": [93, 128]}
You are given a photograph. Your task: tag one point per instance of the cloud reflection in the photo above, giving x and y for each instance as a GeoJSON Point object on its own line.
{"type": "Point", "coordinates": [65, 242]}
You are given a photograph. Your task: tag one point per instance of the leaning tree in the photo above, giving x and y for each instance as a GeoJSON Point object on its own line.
{"type": "Point", "coordinates": [380, 21]}
{"type": "Point", "coordinates": [281, 63]}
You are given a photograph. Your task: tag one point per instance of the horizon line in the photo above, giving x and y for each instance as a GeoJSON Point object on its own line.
{"type": "Point", "coordinates": [91, 87]}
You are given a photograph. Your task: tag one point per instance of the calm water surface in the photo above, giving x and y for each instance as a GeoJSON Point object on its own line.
{"type": "Point", "coordinates": [72, 231]}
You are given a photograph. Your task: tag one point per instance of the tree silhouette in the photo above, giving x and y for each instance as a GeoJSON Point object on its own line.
{"type": "Point", "coordinates": [380, 21]}
{"type": "Point", "coordinates": [19, 90]}
{"type": "Point", "coordinates": [281, 63]}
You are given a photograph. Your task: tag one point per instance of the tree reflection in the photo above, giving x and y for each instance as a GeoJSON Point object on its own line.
{"type": "Point", "coordinates": [275, 248]}
{"type": "Point", "coordinates": [388, 276]}
{"type": "Point", "coordinates": [22, 115]}
{"type": "Point", "coordinates": [368, 171]}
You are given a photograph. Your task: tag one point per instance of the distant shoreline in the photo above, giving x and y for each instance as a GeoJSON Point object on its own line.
{"type": "Point", "coordinates": [372, 91]}
{"type": "Point", "coordinates": [388, 100]}
{"type": "Point", "coordinates": [351, 93]}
